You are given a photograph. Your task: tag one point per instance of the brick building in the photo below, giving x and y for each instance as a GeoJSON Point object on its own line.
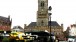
{"type": "Point", "coordinates": [5, 23]}
{"type": "Point", "coordinates": [56, 29]}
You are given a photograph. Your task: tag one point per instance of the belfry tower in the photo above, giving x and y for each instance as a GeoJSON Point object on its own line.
{"type": "Point", "coordinates": [42, 13]}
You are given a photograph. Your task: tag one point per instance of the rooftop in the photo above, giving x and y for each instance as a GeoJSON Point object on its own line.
{"type": "Point", "coordinates": [53, 23]}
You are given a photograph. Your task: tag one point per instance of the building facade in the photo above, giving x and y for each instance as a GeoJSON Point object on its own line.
{"type": "Point", "coordinates": [17, 29]}
{"type": "Point", "coordinates": [5, 23]}
{"type": "Point", "coordinates": [56, 29]}
{"type": "Point", "coordinates": [72, 30]}
{"type": "Point", "coordinates": [43, 23]}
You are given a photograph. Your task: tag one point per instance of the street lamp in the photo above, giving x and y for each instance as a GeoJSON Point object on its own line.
{"type": "Point", "coordinates": [49, 12]}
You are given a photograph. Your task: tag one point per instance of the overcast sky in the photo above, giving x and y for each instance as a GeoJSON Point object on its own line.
{"type": "Point", "coordinates": [25, 11]}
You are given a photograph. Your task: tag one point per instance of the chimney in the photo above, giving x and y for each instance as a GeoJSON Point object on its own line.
{"type": "Point", "coordinates": [62, 25]}
{"type": "Point", "coordinates": [71, 26]}
{"type": "Point", "coordinates": [9, 17]}
{"type": "Point", "coordinates": [68, 28]}
{"type": "Point", "coordinates": [24, 26]}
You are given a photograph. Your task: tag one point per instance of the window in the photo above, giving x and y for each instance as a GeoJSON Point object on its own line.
{"type": "Point", "coordinates": [42, 3]}
{"type": "Point", "coordinates": [42, 23]}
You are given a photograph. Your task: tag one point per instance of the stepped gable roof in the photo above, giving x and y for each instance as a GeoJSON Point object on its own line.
{"type": "Point", "coordinates": [53, 23]}
{"type": "Point", "coordinates": [4, 19]}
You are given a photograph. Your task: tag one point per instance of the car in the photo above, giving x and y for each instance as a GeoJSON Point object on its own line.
{"type": "Point", "coordinates": [17, 35]}
{"type": "Point", "coordinates": [71, 39]}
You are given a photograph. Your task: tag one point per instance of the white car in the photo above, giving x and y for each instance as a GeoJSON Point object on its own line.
{"type": "Point", "coordinates": [71, 40]}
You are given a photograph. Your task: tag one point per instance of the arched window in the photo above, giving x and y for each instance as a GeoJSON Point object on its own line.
{"type": "Point", "coordinates": [42, 3]}
{"type": "Point", "coordinates": [42, 23]}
